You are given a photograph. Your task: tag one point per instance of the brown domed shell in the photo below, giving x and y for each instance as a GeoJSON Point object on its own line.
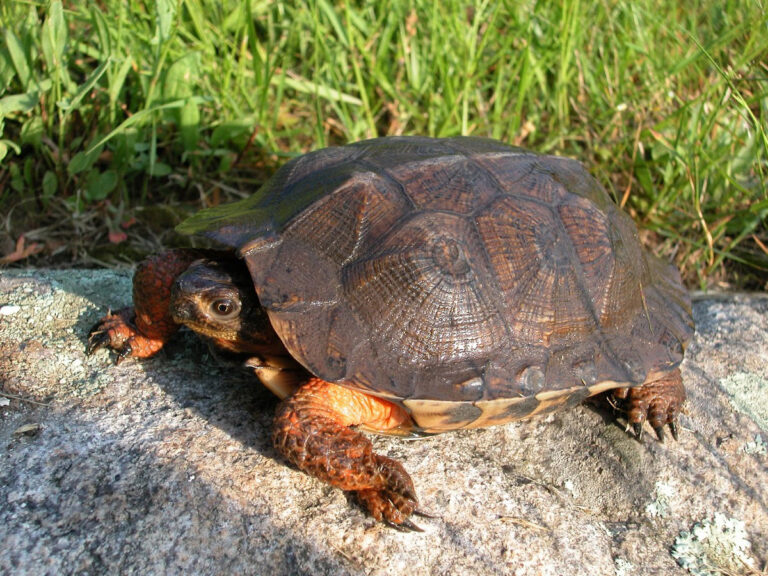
{"type": "Point", "coordinates": [473, 282]}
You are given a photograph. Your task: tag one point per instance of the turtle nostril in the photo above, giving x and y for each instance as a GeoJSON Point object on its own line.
{"type": "Point", "coordinates": [180, 314]}
{"type": "Point", "coordinates": [180, 308]}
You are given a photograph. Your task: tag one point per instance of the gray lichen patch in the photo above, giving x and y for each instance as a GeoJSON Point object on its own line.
{"type": "Point", "coordinates": [756, 446]}
{"type": "Point", "coordinates": [715, 546]}
{"type": "Point", "coordinates": [749, 395]}
{"type": "Point", "coordinates": [664, 499]}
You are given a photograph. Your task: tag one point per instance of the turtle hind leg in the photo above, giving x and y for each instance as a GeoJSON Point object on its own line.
{"type": "Point", "coordinates": [658, 401]}
{"type": "Point", "coordinates": [312, 430]}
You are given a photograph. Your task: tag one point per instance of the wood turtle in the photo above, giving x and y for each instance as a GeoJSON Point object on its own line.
{"type": "Point", "coordinates": [418, 285]}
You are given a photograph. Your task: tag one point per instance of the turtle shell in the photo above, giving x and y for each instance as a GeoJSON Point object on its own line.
{"type": "Point", "coordinates": [472, 282]}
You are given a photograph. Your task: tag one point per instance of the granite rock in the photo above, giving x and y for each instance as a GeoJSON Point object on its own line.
{"type": "Point", "coordinates": [165, 466]}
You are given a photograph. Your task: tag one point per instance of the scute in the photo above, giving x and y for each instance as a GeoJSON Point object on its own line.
{"type": "Point", "coordinates": [534, 270]}
{"type": "Point", "coordinates": [421, 293]}
{"type": "Point", "coordinates": [451, 183]}
{"type": "Point", "coordinates": [343, 224]}
{"type": "Point", "coordinates": [474, 282]}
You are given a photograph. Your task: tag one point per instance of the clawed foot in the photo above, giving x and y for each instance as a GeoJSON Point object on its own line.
{"type": "Point", "coordinates": [117, 332]}
{"type": "Point", "coordinates": [637, 428]}
{"type": "Point", "coordinates": [393, 499]}
{"type": "Point", "coordinates": [313, 430]}
{"type": "Point", "coordinates": [659, 402]}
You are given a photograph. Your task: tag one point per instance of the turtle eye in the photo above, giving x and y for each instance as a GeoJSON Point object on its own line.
{"type": "Point", "coordinates": [224, 308]}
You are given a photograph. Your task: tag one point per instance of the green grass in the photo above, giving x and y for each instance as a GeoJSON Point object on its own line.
{"type": "Point", "coordinates": [110, 108]}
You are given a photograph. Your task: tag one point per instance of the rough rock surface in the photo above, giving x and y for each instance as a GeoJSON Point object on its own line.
{"type": "Point", "coordinates": [165, 466]}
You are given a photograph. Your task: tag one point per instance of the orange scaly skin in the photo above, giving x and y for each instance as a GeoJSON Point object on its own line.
{"type": "Point", "coordinates": [312, 431]}
{"type": "Point", "coordinates": [142, 330]}
{"type": "Point", "coordinates": [659, 402]}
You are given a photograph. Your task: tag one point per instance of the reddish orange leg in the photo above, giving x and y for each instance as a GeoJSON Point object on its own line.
{"type": "Point", "coordinates": [312, 430]}
{"type": "Point", "coordinates": [141, 331]}
{"type": "Point", "coordinates": [659, 402]}
{"type": "Point", "coordinates": [118, 332]}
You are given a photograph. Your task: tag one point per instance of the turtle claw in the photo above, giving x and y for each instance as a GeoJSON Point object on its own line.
{"type": "Point", "coordinates": [112, 331]}
{"type": "Point", "coordinates": [637, 427]}
{"type": "Point", "coordinates": [657, 402]}
{"type": "Point", "coordinates": [405, 526]}
{"type": "Point", "coordinates": [674, 430]}
{"type": "Point", "coordinates": [118, 331]}
{"type": "Point", "coordinates": [102, 336]}
{"type": "Point", "coordinates": [124, 352]}
{"type": "Point", "coordinates": [97, 339]}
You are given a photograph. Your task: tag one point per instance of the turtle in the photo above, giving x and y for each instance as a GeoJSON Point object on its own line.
{"type": "Point", "coordinates": [412, 286]}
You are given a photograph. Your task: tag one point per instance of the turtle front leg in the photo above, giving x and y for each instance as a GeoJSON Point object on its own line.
{"type": "Point", "coordinates": [659, 402]}
{"type": "Point", "coordinates": [143, 329]}
{"type": "Point", "coordinates": [312, 430]}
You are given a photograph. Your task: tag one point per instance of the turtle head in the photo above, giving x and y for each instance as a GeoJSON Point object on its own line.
{"type": "Point", "coordinates": [217, 299]}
